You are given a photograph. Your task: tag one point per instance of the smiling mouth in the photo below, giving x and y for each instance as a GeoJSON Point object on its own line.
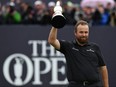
{"type": "Point", "coordinates": [83, 38]}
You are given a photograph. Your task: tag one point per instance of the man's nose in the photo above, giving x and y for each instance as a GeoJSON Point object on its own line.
{"type": "Point", "coordinates": [84, 34]}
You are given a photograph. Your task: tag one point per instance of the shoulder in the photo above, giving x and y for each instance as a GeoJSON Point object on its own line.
{"type": "Point", "coordinates": [95, 45]}
{"type": "Point", "coordinates": [65, 45]}
{"type": "Point", "coordinates": [65, 42]}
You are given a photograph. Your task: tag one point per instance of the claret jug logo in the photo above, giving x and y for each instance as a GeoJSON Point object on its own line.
{"type": "Point", "coordinates": [19, 69]}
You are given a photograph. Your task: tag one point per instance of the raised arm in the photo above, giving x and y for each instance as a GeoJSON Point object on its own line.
{"type": "Point", "coordinates": [52, 39]}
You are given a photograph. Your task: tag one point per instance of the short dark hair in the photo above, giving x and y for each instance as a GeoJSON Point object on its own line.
{"type": "Point", "coordinates": [81, 22]}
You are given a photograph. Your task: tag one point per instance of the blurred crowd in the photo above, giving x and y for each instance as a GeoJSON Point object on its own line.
{"type": "Point", "coordinates": [39, 12]}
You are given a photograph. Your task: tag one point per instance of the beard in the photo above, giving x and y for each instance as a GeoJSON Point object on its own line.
{"type": "Point", "coordinates": [82, 40]}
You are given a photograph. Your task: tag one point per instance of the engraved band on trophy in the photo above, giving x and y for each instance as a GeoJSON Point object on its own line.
{"type": "Point", "coordinates": [58, 20]}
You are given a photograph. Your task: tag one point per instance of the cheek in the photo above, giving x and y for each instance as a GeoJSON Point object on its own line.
{"type": "Point", "coordinates": [78, 35]}
{"type": "Point", "coordinates": [87, 35]}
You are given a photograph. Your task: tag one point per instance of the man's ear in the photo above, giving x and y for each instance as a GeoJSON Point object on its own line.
{"type": "Point", "coordinates": [75, 33]}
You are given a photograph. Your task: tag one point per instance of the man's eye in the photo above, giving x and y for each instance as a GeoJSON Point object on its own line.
{"type": "Point", "coordinates": [86, 32]}
{"type": "Point", "coordinates": [81, 32]}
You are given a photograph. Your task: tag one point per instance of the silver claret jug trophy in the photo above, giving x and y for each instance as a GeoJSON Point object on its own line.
{"type": "Point", "coordinates": [58, 20]}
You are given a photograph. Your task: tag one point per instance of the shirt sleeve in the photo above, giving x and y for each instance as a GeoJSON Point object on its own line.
{"type": "Point", "coordinates": [100, 57]}
{"type": "Point", "coordinates": [63, 46]}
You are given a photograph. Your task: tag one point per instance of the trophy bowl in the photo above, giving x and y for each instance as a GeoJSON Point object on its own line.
{"type": "Point", "coordinates": [58, 21]}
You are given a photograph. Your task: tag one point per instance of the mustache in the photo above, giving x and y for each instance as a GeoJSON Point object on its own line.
{"type": "Point", "coordinates": [83, 37]}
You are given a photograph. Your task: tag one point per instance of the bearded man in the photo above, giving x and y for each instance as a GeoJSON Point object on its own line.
{"type": "Point", "coordinates": [84, 59]}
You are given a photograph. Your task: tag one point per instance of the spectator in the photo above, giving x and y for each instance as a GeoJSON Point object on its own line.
{"type": "Point", "coordinates": [88, 12]}
{"type": "Point", "coordinates": [113, 18]}
{"type": "Point", "coordinates": [108, 7]}
{"type": "Point", "coordinates": [69, 12]}
{"type": "Point", "coordinates": [100, 17]}
{"type": "Point", "coordinates": [27, 13]}
{"type": "Point", "coordinates": [12, 16]}
{"type": "Point", "coordinates": [79, 14]}
{"type": "Point", "coordinates": [51, 6]}
{"type": "Point", "coordinates": [18, 4]}
{"type": "Point", "coordinates": [40, 12]}
{"type": "Point", "coordinates": [1, 16]}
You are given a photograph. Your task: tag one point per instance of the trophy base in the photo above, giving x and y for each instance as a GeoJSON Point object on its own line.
{"type": "Point", "coordinates": [58, 21]}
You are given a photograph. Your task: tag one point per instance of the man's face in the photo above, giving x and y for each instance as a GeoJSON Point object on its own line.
{"type": "Point", "coordinates": [82, 34]}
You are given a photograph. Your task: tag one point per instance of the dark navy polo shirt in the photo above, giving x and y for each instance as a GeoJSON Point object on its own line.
{"type": "Point", "coordinates": [82, 61]}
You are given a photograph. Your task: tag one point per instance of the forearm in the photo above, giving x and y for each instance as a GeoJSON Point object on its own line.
{"type": "Point", "coordinates": [52, 35]}
{"type": "Point", "coordinates": [104, 74]}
